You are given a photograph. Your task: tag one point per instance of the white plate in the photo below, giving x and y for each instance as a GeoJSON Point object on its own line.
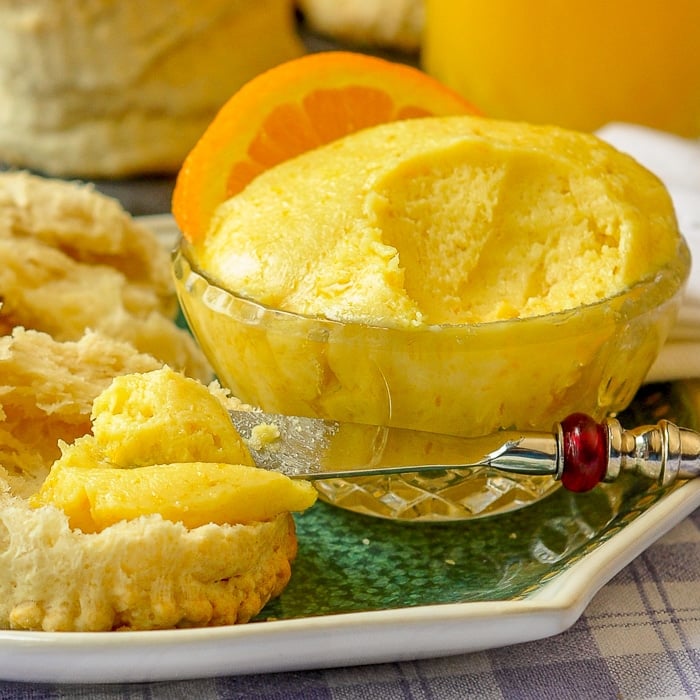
{"type": "Point", "coordinates": [338, 640]}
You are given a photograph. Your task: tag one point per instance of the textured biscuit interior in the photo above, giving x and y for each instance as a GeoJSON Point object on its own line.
{"type": "Point", "coordinates": [74, 259]}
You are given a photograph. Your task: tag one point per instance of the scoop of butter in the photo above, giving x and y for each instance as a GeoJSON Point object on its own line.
{"type": "Point", "coordinates": [443, 221]}
{"type": "Point", "coordinates": [163, 444]}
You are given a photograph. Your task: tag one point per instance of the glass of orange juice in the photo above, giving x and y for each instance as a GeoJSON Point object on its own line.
{"type": "Point", "coordinates": [576, 64]}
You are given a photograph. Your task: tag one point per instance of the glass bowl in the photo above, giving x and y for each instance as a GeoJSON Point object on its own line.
{"type": "Point", "coordinates": [470, 379]}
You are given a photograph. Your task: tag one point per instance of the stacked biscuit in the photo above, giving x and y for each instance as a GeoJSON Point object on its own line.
{"type": "Point", "coordinates": [102, 88]}
{"type": "Point", "coordinates": [86, 296]}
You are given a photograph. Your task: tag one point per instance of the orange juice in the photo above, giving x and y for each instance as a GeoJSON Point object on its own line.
{"type": "Point", "coordinates": [575, 64]}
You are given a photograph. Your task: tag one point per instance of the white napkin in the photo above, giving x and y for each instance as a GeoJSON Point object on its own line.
{"type": "Point", "coordinates": [676, 161]}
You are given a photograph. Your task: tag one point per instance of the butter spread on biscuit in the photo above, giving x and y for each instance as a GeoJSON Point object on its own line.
{"type": "Point", "coordinates": [163, 444]}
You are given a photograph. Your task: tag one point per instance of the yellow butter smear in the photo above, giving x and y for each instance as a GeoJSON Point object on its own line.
{"type": "Point", "coordinates": [443, 221]}
{"type": "Point", "coordinates": [164, 444]}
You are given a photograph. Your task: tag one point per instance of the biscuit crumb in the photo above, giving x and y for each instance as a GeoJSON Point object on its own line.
{"type": "Point", "coordinates": [263, 435]}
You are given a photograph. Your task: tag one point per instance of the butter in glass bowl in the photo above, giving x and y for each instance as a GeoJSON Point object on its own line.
{"type": "Point", "coordinates": [457, 275]}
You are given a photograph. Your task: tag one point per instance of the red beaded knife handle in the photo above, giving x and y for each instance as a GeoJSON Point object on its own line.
{"type": "Point", "coordinates": [591, 452]}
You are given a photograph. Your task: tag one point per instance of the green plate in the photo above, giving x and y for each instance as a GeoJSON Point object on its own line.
{"type": "Point", "coordinates": [349, 562]}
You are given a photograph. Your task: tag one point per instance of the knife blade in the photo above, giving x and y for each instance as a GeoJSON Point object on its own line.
{"type": "Point", "coordinates": [315, 448]}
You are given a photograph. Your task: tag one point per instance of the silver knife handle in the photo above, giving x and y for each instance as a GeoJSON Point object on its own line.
{"type": "Point", "coordinates": [662, 452]}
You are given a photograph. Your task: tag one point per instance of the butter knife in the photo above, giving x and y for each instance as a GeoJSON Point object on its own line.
{"type": "Point", "coordinates": [579, 451]}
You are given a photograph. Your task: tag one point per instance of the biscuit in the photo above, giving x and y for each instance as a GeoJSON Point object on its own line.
{"type": "Point", "coordinates": [146, 573]}
{"type": "Point", "coordinates": [73, 259]}
{"type": "Point", "coordinates": [395, 24]}
{"type": "Point", "coordinates": [46, 392]}
{"type": "Point", "coordinates": [106, 89]}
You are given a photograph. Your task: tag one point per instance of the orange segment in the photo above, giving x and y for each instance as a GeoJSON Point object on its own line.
{"type": "Point", "coordinates": [293, 108]}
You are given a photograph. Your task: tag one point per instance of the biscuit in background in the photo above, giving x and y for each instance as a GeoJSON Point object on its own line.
{"type": "Point", "coordinates": [106, 89]}
{"type": "Point", "coordinates": [391, 24]}
{"type": "Point", "coordinates": [73, 259]}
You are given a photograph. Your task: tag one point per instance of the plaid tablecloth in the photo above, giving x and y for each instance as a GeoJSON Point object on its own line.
{"type": "Point", "coordinates": [639, 638]}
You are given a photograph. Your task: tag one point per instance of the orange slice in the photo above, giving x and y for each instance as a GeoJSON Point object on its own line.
{"type": "Point", "coordinates": [292, 108]}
